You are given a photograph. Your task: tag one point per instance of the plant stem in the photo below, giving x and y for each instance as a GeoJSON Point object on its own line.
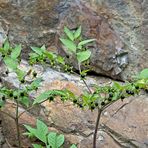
{"type": "Point", "coordinates": [17, 124]}
{"type": "Point", "coordinates": [96, 128]}
{"type": "Point", "coordinates": [79, 66]}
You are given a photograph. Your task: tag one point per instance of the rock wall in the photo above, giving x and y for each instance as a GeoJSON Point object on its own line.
{"type": "Point", "coordinates": [121, 32]}
{"type": "Point", "coordinates": [120, 28]}
{"type": "Point", "coordinates": [117, 128]}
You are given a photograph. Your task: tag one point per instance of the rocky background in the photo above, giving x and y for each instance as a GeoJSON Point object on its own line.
{"type": "Point", "coordinates": [120, 28]}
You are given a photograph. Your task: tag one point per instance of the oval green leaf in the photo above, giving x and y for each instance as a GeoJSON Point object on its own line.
{"type": "Point", "coordinates": [85, 42]}
{"type": "Point", "coordinates": [83, 56]}
{"type": "Point", "coordinates": [16, 51]}
{"type": "Point", "coordinates": [69, 45]}
{"type": "Point", "coordinates": [69, 33]}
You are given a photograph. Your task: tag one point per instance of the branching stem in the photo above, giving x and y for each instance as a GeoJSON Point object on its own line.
{"type": "Point", "coordinates": [17, 125]}
{"type": "Point", "coordinates": [96, 128]}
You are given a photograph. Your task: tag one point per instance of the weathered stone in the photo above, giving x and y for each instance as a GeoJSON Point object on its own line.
{"type": "Point", "coordinates": [108, 51]}
{"type": "Point", "coordinates": [130, 122]}
{"type": "Point", "coordinates": [31, 22]}
{"type": "Point", "coordinates": [120, 28]}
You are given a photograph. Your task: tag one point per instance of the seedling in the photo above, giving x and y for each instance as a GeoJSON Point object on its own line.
{"type": "Point", "coordinates": [49, 139]}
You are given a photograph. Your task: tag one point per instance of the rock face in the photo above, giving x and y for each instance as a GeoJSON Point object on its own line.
{"type": "Point", "coordinates": [119, 27]}
{"type": "Point", "coordinates": [126, 127]}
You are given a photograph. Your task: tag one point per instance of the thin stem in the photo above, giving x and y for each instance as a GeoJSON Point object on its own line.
{"type": "Point", "coordinates": [30, 109]}
{"type": "Point", "coordinates": [17, 125]}
{"type": "Point", "coordinates": [83, 79]}
{"type": "Point", "coordinates": [87, 86]}
{"type": "Point", "coordinates": [96, 128]}
{"type": "Point", "coordinates": [25, 111]}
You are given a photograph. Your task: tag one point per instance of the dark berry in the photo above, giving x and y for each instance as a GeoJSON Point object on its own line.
{"type": "Point", "coordinates": [37, 60]}
{"type": "Point", "coordinates": [122, 97]}
{"type": "Point", "coordinates": [92, 107]}
{"type": "Point", "coordinates": [22, 94]}
{"type": "Point", "coordinates": [80, 105]}
{"type": "Point", "coordinates": [3, 98]}
{"type": "Point", "coordinates": [0, 80]}
{"type": "Point", "coordinates": [3, 55]}
{"type": "Point", "coordinates": [110, 95]}
{"type": "Point", "coordinates": [91, 102]}
{"type": "Point", "coordinates": [103, 103]}
{"type": "Point", "coordinates": [128, 92]}
{"type": "Point", "coordinates": [146, 90]}
{"type": "Point", "coordinates": [22, 81]}
{"type": "Point", "coordinates": [109, 99]}
{"type": "Point", "coordinates": [11, 95]}
{"type": "Point", "coordinates": [15, 97]}
{"type": "Point", "coordinates": [44, 60]}
{"type": "Point", "coordinates": [36, 88]}
{"type": "Point", "coordinates": [132, 93]}
{"type": "Point", "coordinates": [7, 72]}
{"type": "Point", "coordinates": [74, 101]}
{"type": "Point", "coordinates": [51, 98]}
{"type": "Point", "coordinates": [95, 92]}
{"type": "Point", "coordinates": [82, 76]}
{"type": "Point", "coordinates": [34, 74]}
{"type": "Point", "coordinates": [67, 56]}
{"type": "Point", "coordinates": [68, 69]}
{"type": "Point", "coordinates": [137, 87]}
{"type": "Point", "coordinates": [96, 104]}
{"type": "Point", "coordinates": [62, 99]}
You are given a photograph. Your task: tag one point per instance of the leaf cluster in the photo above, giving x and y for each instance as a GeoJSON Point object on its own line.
{"type": "Point", "coordinates": [75, 45]}
{"type": "Point", "coordinates": [41, 55]}
{"type": "Point", "coordinates": [48, 139]}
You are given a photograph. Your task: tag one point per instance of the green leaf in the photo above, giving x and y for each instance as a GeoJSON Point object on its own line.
{"type": "Point", "coordinates": [60, 60]}
{"type": "Point", "coordinates": [60, 140]}
{"type": "Point", "coordinates": [36, 83]}
{"type": "Point", "coordinates": [69, 45]}
{"type": "Point", "coordinates": [50, 55]}
{"type": "Point", "coordinates": [16, 51]}
{"type": "Point", "coordinates": [85, 42]}
{"type": "Point", "coordinates": [42, 97]}
{"type": "Point", "coordinates": [11, 63]}
{"type": "Point", "coordinates": [84, 72]}
{"type": "Point", "coordinates": [83, 56]}
{"type": "Point", "coordinates": [20, 74]}
{"type": "Point", "coordinates": [25, 101]}
{"type": "Point", "coordinates": [69, 33]}
{"type": "Point", "coordinates": [41, 131]}
{"type": "Point", "coordinates": [30, 135]}
{"type": "Point", "coordinates": [43, 48]}
{"type": "Point", "coordinates": [77, 33]}
{"type": "Point", "coordinates": [37, 146]}
{"type": "Point", "coordinates": [117, 85]}
{"type": "Point", "coordinates": [73, 146]}
{"type": "Point", "coordinates": [143, 74]}
{"type": "Point", "coordinates": [30, 129]}
{"type": "Point", "coordinates": [116, 96]}
{"type": "Point", "coordinates": [37, 50]}
{"type": "Point", "coordinates": [45, 95]}
{"type": "Point", "coordinates": [2, 103]}
{"type": "Point", "coordinates": [33, 55]}
{"type": "Point", "coordinates": [6, 46]}
{"type": "Point", "coordinates": [52, 139]}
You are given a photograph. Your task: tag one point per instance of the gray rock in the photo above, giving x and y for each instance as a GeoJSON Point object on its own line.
{"type": "Point", "coordinates": [120, 28]}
